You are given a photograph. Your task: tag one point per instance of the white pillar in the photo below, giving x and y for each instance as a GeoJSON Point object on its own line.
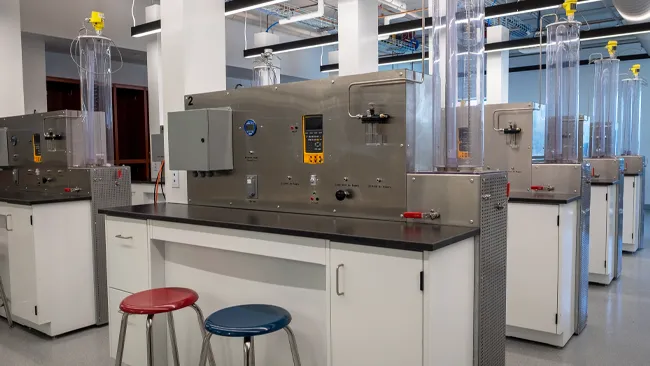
{"type": "Point", "coordinates": [172, 41]}
{"type": "Point", "coordinates": [34, 75]}
{"type": "Point", "coordinates": [357, 21]}
{"type": "Point", "coordinates": [498, 67]}
{"type": "Point", "coordinates": [12, 102]}
{"type": "Point", "coordinates": [204, 25]}
{"type": "Point", "coordinates": [154, 73]}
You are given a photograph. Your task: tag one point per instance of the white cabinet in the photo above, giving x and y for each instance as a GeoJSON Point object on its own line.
{"type": "Point", "coordinates": [126, 251]}
{"type": "Point", "coordinates": [376, 306]}
{"type": "Point", "coordinates": [602, 229]}
{"type": "Point", "coordinates": [135, 345]}
{"type": "Point", "coordinates": [541, 271]}
{"type": "Point", "coordinates": [23, 269]}
{"type": "Point", "coordinates": [632, 206]}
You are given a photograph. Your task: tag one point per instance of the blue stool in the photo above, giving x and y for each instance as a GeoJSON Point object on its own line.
{"type": "Point", "coordinates": [248, 321]}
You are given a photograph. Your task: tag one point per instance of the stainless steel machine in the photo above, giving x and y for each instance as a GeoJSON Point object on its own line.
{"type": "Point", "coordinates": [355, 146]}
{"type": "Point", "coordinates": [45, 153]}
{"type": "Point", "coordinates": [542, 147]}
{"type": "Point", "coordinates": [634, 163]}
{"type": "Point", "coordinates": [606, 225]}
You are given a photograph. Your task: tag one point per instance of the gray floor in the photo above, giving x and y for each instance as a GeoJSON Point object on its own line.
{"type": "Point", "coordinates": [618, 333]}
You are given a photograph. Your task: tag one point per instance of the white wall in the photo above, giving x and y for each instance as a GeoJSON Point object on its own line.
{"type": "Point", "coordinates": [34, 74]}
{"type": "Point", "coordinates": [61, 65]}
{"type": "Point", "coordinates": [524, 87]}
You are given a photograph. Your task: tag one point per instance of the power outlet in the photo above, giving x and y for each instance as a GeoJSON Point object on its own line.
{"type": "Point", "coordinates": [176, 180]}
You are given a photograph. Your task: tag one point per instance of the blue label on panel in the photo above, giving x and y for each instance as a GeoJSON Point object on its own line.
{"type": "Point", "coordinates": [250, 127]}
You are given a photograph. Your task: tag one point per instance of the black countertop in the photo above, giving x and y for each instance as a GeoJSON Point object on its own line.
{"type": "Point", "coordinates": [388, 234]}
{"type": "Point", "coordinates": [547, 198]}
{"type": "Point", "coordinates": [36, 198]}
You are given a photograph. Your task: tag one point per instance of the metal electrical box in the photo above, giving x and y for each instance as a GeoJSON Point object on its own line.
{"type": "Point", "coordinates": [201, 140]}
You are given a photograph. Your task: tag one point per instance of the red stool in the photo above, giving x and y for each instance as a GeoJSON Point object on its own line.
{"type": "Point", "coordinates": [158, 301]}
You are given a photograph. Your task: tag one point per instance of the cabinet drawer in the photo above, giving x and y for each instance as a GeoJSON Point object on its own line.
{"type": "Point", "coordinates": [135, 345]}
{"type": "Point", "coordinates": [126, 254]}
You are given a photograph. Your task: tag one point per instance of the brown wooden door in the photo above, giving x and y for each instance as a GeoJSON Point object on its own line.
{"type": "Point", "coordinates": [63, 94]}
{"type": "Point", "coordinates": [131, 125]}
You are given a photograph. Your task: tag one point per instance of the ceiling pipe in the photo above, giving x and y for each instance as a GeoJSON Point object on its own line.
{"type": "Point", "coordinates": [298, 18]}
{"type": "Point", "coordinates": [287, 29]}
{"type": "Point", "coordinates": [633, 12]}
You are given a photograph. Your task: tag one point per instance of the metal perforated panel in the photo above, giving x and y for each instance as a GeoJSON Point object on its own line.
{"type": "Point", "coordinates": [619, 224]}
{"type": "Point", "coordinates": [110, 187]}
{"type": "Point", "coordinates": [490, 324]}
{"type": "Point", "coordinates": [641, 180]}
{"type": "Point", "coordinates": [582, 251]}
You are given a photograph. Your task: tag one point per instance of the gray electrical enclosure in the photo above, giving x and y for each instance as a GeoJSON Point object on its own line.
{"type": "Point", "coordinates": [201, 140]}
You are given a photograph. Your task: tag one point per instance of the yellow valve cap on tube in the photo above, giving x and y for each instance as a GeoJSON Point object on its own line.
{"type": "Point", "coordinates": [570, 7]}
{"type": "Point", "coordinates": [97, 20]}
{"type": "Point", "coordinates": [611, 48]}
{"type": "Point", "coordinates": [635, 69]}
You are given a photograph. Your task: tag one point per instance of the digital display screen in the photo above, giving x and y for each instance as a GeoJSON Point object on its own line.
{"type": "Point", "coordinates": [249, 127]}
{"type": "Point", "coordinates": [313, 122]}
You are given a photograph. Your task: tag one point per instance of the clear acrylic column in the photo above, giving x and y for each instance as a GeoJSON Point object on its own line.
{"type": "Point", "coordinates": [96, 100]}
{"type": "Point", "coordinates": [465, 83]}
{"type": "Point", "coordinates": [630, 116]}
{"type": "Point", "coordinates": [562, 73]}
{"type": "Point", "coordinates": [605, 108]}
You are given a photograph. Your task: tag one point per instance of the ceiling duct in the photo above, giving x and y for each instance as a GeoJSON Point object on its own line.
{"type": "Point", "coordinates": [634, 11]}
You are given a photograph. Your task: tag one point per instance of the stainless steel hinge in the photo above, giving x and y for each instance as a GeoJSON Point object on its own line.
{"type": "Point", "coordinates": [421, 280]}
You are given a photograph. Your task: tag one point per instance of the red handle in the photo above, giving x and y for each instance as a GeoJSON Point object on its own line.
{"type": "Point", "coordinates": [67, 190]}
{"type": "Point", "coordinates": [508, 190]}
{"type": "Point", "coordinates": [536, 188]}
{"type": "Point", "coordinates": [412, 215]}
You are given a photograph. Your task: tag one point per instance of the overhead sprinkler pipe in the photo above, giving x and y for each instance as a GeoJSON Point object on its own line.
{"type": "Point", "coordinates": [302, 17]}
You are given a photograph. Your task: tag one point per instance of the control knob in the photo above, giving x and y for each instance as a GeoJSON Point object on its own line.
{"type": "Point", "coordinates": [341, 194]}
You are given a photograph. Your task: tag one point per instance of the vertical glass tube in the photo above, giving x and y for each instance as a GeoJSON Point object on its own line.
{"type": "Point", "coordinates": [465, 83]}
{"type": "Point", "coordinates": [605, 108]}
{"type": "Point", "coordinates": [562, 73]}
{"type": "Point", "coordinates": [96, 100]}
{"type": "Point", "coordinates": [630, 117]}
{"type": "Point", "coordinates": [437, 94]}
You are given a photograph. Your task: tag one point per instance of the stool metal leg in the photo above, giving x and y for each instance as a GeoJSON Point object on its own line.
{"type": "Point", "coordinates": [172, 337]}
{"type": "Point", "coordinates": [249, 351]}
{"type": "Point", "coordinates": [149, 340]}
{"type": "Point", "coordinates": [120, 341]}
{"type": "Point", "coordinates": [199, 315]}
{"type": "Point", "coordinates": [204, 348]}
{"type": "Point", "coordinates": [294, 346]}
{"type": "Point", "coordinates": [5, 303]}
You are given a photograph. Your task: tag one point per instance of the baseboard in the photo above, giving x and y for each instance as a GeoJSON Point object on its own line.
{"type": "Point", "coordinates": [601, 279]}
{"type": "Point", "coordinates": [557, 340]}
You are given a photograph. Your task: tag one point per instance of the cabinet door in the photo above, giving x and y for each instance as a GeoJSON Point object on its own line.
{"type": "Point", "coordinates": [23, 272]}
{"type": "Point", "coordinates": [532, 270]}
{"type": "Point", "coordinates": [612, 215]}
{"type": "Point", "coordinates": [135, 346]}
{"type": "Point", "coordinates": [376, 306]}
{"type": "Point", "coordinates": [598, 236]}
{"type": "Point", "coordinates": [629, 210]}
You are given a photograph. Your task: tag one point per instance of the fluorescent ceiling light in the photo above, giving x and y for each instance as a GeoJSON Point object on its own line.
{"type": "Point", "coordinates": [533, 10]}
{"type": "Point", "coordinates": [146, 29]}
{"type": "Point", "coordinates": [147, 33]}
{"type": "Point", "coordinates": [615, 35]}
{"type": "Point", "coordinates": [254, 5]}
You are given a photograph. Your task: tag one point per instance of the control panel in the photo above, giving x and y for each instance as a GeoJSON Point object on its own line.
{"type": "Point", "coordinates": [312, 131]}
